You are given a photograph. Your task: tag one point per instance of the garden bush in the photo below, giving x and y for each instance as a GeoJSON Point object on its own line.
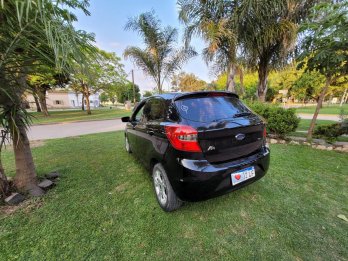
{"type": "Point", "coordinates": [331, 132]}
{"type": "Point", "coordinates": [280, 121]}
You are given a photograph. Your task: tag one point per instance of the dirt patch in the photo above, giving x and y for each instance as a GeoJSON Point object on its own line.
{"type": "Point", "coordinates": [37, 143]}
{"type": "Point", "coordinates": [27, 206]}
{"type": "Point", "coordinates": [33, 144]}
{"type": "Point", "coordinates": [121, 187]}
{"type": "Point", "coordinates": [8, 210]}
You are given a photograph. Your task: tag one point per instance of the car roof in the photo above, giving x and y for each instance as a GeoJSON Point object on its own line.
{"type": "Point", "coordinates": [178, 95]}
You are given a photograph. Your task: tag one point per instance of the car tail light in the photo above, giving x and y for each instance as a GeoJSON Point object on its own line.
{"type": "Point", "coordinates": [264, 133]}
{"type": "Point", "coordinates": [183, 138]}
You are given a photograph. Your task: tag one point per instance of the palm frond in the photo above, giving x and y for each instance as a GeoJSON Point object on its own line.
{"type": "Point", "coordinates": [142, 59]}
{"type": "Point", "coordinates": [212, 21]}
{"type": "Point", "coordinates": [160, 58]}
{"type": "Point", "coordinates": [175, 62]}
{"type": "Point", "coordinates": [35, 33]}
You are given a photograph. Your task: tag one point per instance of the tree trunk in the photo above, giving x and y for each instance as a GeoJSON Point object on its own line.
{"type": "Point", "coordinates": [262, 84]}
{"type": "Point", "coordinates": [230, 84]}
{"type": "Point", "coordinates": [320, 102]}
{"type": "Point", "coordinates": [241, 79]}
{"type": "Point", "coordinates": [25, 179]}
{"type": "Point", "coordinates": [159, 87]}
{"type": "Point", "coordinates": [83, 102]}
{"type": "Point", "coordinates": [38, 108]}
{"type": "Point", "coordinates": [88, 105]}
{"type": "Point", "coordinates": [42, 99]}
{"type": "Point", "coordinates": [86, 94]}
{"type": "Point", "coordinates": [4, 186]}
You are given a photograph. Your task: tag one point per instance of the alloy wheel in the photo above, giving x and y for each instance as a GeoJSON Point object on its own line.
{"type": "Point", "coordinates": [160, 187]}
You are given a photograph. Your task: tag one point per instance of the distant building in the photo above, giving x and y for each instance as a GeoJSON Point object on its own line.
{"type": "Point", "coordinates": [65, 99]}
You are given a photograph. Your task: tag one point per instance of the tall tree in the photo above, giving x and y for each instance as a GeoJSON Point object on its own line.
{"type": "Point", "coordinates": [213, 21]}
{"type": "Point", "coordinates": [99, 71]}
{"type": "Point", "coordinates": [44, 79]}
{"type": "Point", "coordinates": [159, 59]}
{"type": "Point", "coordinates": [32, 33]}
{"type": "Point", "coordinates": [147, 94]}
{"type": "Point", "coordinates": [324, 47]}
{"type": "Point", "coordinates": [188, 82]}
{"type": "Point", "coordinates": [307, 86]}
{"type": "Point", "coordinates": [124, 92]}
{"type": "Point", "coordinates": [267, 33]}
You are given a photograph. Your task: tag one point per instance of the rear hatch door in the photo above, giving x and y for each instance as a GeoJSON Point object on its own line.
{"type": "Point", "coordinates": [227, 129]}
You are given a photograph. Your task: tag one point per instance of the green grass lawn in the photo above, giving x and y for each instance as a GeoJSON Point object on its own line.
{"type": "Point", "coordinates": [104, 208]}
{"type": "Point", "coordinates": [328, 109]}
{"type": "Point", "coordinates": [304, 124]}
{"type": "Point", "coordinates": [78, 115]}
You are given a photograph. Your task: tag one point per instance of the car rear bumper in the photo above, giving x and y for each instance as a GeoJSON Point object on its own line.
{"type": "Point", "coordinates": [200, 180]}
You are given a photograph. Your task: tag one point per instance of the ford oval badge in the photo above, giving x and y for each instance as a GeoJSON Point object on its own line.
{"type": "Point", "coordinates": [240, 136]}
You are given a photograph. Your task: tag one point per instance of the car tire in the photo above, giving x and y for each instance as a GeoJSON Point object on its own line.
{"type": "Point", "coordinates": [127, 145]}
{"type": "Point", "coordinates": [165, 194]}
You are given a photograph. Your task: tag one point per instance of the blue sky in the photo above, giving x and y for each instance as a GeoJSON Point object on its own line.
{"type": "Point", "coordinates": [107, 21]}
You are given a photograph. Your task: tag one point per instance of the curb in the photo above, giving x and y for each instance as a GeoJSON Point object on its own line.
{"type": "Point", "coordinates": [315, 144]}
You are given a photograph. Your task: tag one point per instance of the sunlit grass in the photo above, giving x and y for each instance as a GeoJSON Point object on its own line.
{"type": "Point", "coordinates": [327, 109]}
{"type": "Point", "coordinates": [78, 115]}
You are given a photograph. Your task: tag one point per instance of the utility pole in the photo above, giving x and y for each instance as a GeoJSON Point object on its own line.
{"type": "Point", "coordinates": [133, 87]}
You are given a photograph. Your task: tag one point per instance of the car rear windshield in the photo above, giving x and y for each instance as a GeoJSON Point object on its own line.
{"type": "Point", "coordinates": [208, 109]}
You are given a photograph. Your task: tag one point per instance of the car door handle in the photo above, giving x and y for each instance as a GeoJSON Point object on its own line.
{"type": "Point", "coordinates": [150, 132]}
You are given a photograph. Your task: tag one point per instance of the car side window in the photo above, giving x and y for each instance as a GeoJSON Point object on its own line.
{"type": "Point", "coordinates": [139, 114]}
{"type": "Point", "coordinates": [155, 110]}
{"type": "Point", "coordinates": [147, 111]}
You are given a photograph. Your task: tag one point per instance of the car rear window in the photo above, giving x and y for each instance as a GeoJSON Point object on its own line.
{"type": "Point", "coordinates": [208, 109]}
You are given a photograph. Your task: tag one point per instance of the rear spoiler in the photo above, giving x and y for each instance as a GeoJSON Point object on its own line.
{"type": "Point", "coordinates": [205, 94]}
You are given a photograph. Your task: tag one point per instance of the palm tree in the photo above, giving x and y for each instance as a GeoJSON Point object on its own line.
{"type": "Point", "coordinates": [159, 59]}
{"type": "Point", "coordinates": [32, 33]}
{"type": "Point", "coordinates": [267, 32]}
{"type": "Point", "coordinates": [212, 20]}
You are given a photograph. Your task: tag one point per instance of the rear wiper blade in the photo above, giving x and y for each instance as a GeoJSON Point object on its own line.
{"type": "Point", "coordinates": [237, 115]}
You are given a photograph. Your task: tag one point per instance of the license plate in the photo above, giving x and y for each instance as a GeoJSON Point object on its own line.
{"type": "Point", "coordinates": [242, 175]}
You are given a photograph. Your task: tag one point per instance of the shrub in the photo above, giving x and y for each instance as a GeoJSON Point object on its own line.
{"type": "Point", "coordinates": [250, 93]}
{"type": "Point", "coordinates": [331, 132]}
{"type": "Point", "coordinates": [280, 121]}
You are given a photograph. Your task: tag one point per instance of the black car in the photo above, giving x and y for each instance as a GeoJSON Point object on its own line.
{"type": "Point", "coordinates": [197, 145]}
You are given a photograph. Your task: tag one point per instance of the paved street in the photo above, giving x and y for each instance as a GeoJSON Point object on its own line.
{"type": "Point", "coordinates": [62, 130]}
{"type": "Point", "coordinates": [330, 117]}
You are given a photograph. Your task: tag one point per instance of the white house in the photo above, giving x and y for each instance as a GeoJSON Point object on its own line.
{"type": "Point", "coordinates": [65, 99]}
{"type": "Point", "coordinates": [76, 100]}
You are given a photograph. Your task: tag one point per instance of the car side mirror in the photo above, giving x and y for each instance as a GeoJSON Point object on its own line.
{"type": "Point", "coordinates": [125, 119]}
